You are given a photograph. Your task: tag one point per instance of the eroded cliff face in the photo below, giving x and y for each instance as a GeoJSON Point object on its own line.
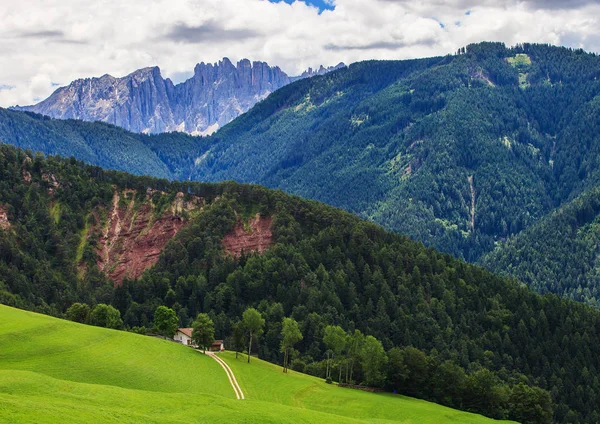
{"type": "Point", "coordinates": [145, 102]}
{"type": "Point", "coordinates": [255, 236]}
{"type": "Point", "coordinates": [129, 236]}
{"type": "Point", "coordinates": [134, 233]}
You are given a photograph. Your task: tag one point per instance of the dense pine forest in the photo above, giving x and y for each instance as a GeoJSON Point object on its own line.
{"type": "Point", "coordinates": [458, 152]}
{"type": "Point", "coordinates": [440, 329]}
{"type": "Point", "coordinates": [559, 254]}
{"type": "Point", "coordinates": [163, 156]}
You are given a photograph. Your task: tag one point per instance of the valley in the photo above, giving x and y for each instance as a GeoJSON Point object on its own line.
{"type": "Point", "coordinates": [396, 142]}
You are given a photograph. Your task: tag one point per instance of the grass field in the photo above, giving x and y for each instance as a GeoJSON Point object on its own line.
{"type": "Point", "coordinates": [53, 370]}
{"type": "Point", "coordinates": [264, 381]}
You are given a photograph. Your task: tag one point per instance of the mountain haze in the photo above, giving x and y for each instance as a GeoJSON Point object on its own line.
{"type": "Point", "coordinates": [145, 102]}
{"type": "Point", "coordinates": [95, 143]}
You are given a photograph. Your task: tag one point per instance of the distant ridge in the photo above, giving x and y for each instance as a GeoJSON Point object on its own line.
{"type": "Point", "coordinates": [145, 102]}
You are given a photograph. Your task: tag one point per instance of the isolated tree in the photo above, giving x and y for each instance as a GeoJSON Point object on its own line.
{"type": "Point", "coordinates": [238, 337]}
{"type": "Point", "coordinates": [255, 323]}
{"type": "Point", "coordinates": [165, 321]}
{"type": "Point", "coordinates": [78, 312]}
{"type": "Point", "coordinates": [106, 316]}
{"type": "Point", "coordinates": [291, 335]}
{"type": "Point", "coordinates": [203, 333]}
{"type": "Point", "coordinates": [335, 339]}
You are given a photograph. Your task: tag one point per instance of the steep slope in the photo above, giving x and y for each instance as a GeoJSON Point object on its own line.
{"type": "Point", "coordinates": [50, 369]}
{"type": "Point", "coordinates": [559, 254]}
{"type": "Point", "coordinates": [144, 102]}
{"type": "Point", "coordinates": [458, 152]}
{"type": "Point", "coordinates": [137, 228]}
{"type": "Point", "coordinates": [441, 326]}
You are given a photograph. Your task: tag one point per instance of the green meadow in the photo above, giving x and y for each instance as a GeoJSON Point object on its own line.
{"type": "Point", "coordinates": [53, 370]}
{"type": "Point", "coordinates": [264, 381]}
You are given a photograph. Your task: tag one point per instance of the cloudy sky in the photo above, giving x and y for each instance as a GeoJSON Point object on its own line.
{"type": "Point", "coordinates": [48, 43]}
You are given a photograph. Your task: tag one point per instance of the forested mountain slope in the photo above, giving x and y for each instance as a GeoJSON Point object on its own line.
{"type": "Point", "coordinates": [162, 156]}
{"type": "Point", "coordinates": [448, 331]}
{"type": "Point", "coordinates": [457, 152]}
{"type": "Point", "coordinates": [558, 254]}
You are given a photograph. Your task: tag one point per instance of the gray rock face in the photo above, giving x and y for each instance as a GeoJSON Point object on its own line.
{"type": "Point", "coordinates": [144, 101]}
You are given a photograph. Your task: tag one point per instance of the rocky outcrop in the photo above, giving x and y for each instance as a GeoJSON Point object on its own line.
{"type": "Point", "coordinates": [145, 102]}
{"type": "Point", "coordinates": [256, 236]}
{"type": "Point", "coordinates": [133, 236]}
{"type": "Point", "coordinates": [24, 170]}
{"type": "Point", "coordinates": [4, 223]}
{"type": "Point", "coordinates": [52, 182]}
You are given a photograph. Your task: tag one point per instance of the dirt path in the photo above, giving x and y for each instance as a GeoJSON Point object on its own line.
{"type": "Point", "coordinates": [236, 387]}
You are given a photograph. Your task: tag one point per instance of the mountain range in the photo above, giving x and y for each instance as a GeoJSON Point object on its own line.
{"type": "Point", "coordinates": [491, 154]}
{"type": "Point", "coordinates": [145, 102]}
{"type": "Point", "coordinates": [460, 152]}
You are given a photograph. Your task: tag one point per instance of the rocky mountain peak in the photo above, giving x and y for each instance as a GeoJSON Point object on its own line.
{"type": "Point", "coordinates": [145, 73]}
{"type": "Point", "coordinates": [144, 101]}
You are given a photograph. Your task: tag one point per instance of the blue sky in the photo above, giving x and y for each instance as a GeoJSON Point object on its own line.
{"type": "Point", "coordinates": [321, 4]}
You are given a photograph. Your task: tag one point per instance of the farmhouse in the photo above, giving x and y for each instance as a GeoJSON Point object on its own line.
{"type": "Point", "coordinates": [217, 346]}
{"type": "Point", "coordinates": [184, 336]}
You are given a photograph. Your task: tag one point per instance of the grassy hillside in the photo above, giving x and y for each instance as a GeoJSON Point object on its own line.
{"type": "Point", "coordinates": [53, 370]}
{"type": "Point", "coordinates": [559, 254]}
{"type": "Point", "coordinates": [79, 353]}
{"type": "Point", "coordinates": [263, 381]}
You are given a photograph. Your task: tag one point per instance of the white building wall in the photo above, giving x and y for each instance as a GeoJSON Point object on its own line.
{"type": "Point", "coordinates": [183, 339]}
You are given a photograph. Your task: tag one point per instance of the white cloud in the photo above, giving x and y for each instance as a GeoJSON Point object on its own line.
{"type": "Point", "coordinates": [48, 42]}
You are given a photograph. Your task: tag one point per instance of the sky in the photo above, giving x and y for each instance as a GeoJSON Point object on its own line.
{"type": "Point", "coordinates": [45, 44]}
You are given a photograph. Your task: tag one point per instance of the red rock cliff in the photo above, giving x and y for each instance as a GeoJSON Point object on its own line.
{"type": "Point", "coordinates": [133, 236]}
{"type": "Point", "coordinates": [258, 239]}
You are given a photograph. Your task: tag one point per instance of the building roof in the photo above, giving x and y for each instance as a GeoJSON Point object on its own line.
{"type": "Point", "coordinates": [217, 343]}
{"type": "Point", "coordinates": [186, 331]}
